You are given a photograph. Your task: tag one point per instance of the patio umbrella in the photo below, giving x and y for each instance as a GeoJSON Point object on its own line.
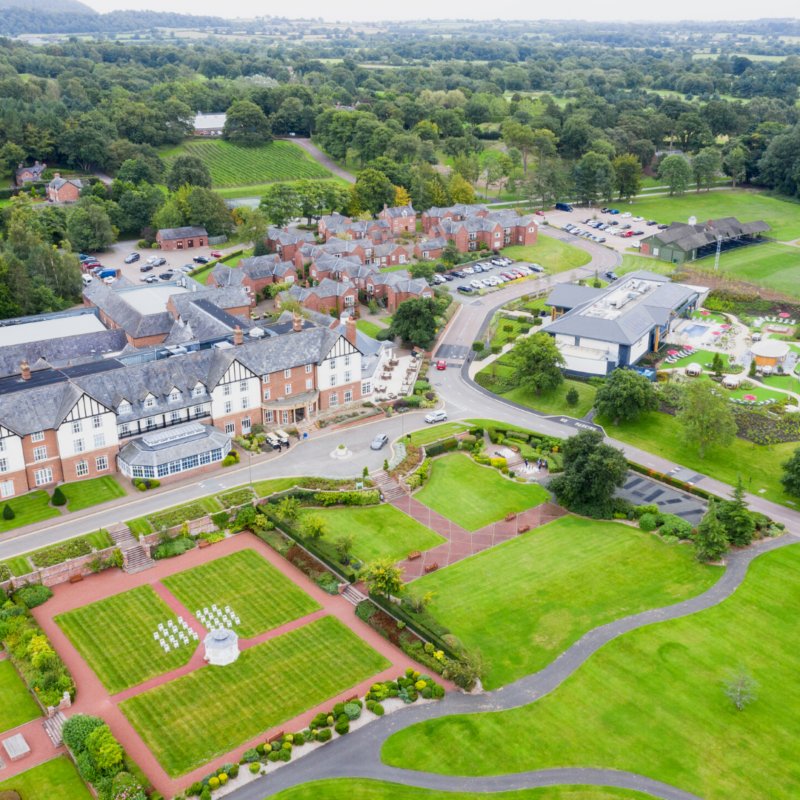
{"type": "Point", "coordinates": [688, 347]}
{"type": "Point", "coordinates": [672, 352]}
{"type": "Point", "coordinates": [705, 313]}
{"type": "Point", "coordinates": [715, 333]}
{"type": "Point", "coordinates": [724, 326]}
{"type": "Point", "coordinates": [750, 397]}
{"type": "Point", "coordinates": [784, 315]}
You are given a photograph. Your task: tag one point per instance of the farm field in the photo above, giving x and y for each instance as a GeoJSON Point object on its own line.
{"type": "Point", "coordinates": [208, 712]}
{"type": "Point", "coordinates": [550, 595]}
{"type": "Point", "coordinates": [261, 596]}
{"type": "Point", "coordinates": [233, 165]}
{"type": "Point", "coordinates": [554, 255]}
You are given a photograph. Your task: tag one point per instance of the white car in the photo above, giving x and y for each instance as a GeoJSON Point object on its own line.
{"type": "Point", "coordinates": [626, 215]}
{"type": "Point", "coordinates": [109, 280]}
{"type": "Point", "coordinates": [436, 416]}
{"type": "Point", "coordinates": [476, 284]}
{"type": "Point", "coordinates": [488, 282]}
{"type": "Point", "coordinates": [469, 270]}
{"type": "Point", "coordinates": [638, 219]}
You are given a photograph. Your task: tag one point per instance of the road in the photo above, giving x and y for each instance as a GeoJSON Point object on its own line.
{"type": "Point", "coordinates": [327, 162]}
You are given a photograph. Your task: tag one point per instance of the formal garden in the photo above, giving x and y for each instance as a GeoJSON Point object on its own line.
{"type": "Point", "coordinates": [56, 779]}
{"type": "Point", "coordinates": [17, 707]}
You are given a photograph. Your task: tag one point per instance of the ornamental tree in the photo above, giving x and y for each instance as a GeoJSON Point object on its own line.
{"type": "Point", "coordinates": [791, 474]}
{"type": "Point", "coordinates": [383, 577]}
{"type": "Point", "coordinates": [625, 396]}
{"type": "Point", "coordinates": [737, 520]}
{"type": "Point", "coordinates": [710, 540]}
{"type": "Point", "coordinates": [538, 363]}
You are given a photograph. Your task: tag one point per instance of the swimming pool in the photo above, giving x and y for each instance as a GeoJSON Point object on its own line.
{"type": "Point", "coordinates": [696, 331]}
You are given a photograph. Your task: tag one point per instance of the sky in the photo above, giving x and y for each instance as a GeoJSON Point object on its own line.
{"type": "Point", "coordinates": [633, 10]}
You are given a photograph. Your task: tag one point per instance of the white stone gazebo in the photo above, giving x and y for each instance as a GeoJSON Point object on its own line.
{"type": "Point", "coordinates": [222, 647]}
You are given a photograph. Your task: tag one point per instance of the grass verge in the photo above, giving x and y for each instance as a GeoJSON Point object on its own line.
{"type": "Point", "coordinates": [57, 779]}
{"type": "Point", "coordinates": [18, 706]}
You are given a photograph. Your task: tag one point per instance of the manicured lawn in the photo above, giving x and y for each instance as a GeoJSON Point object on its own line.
{"type": "Point", "coordinates": [432, 433]}
{"type": "Point", "coordinates": [230, 163]}
{"type": "Point", "coordinates": [348, 788]}
{"type": "Point", "coordinates": [19, 565]}
{"type": "Point", "coordinates": [749, 389]}
{"type": "Point", "coordinates": [115, 638]}
{"type": "Point", "coordinates": [632, 263]}
{"type": "Point", "coordinates": [57, 779]}
{"type": "Point", "coordinates": [709, 317]}
{"type": "Point", "coordinates": [260, 595]}
{"type": "Point", "coordinates": [745, 206]}
{"type": "Point", "coordinates": [789, 382]}
{"type": "Point", "coordinates": [662, 435]}
{"type": "Point", "coordinates": [176, 515]}
{"type": "Point", "coordinates": [555, 402]}
{"type": "Point", "coordinates": [17, 706]}
{"type": "Point", "coordinates": [701, 357]}
{"type": "Point", "coordinates": [199, 716]}
{"type": "Point", "coordinates": [473, 496]}
{"type": "Point", "coordinates": [558, 582]}
{"type": "Point", "coordinates": [370, 328]}
{"type": "Point", "coordinates": [28, 508]}
{"type": "Point", "coordinates": [776, 266]}
{"type": "Point", "coordinates": [83, 494]}
{"type": "Point", "coordinates": [502, 336]}
{"type": "Point", "coordinates": [263, 488]}
{"type": "Point", "coordinates": [380, 532]}
{"type": "Point", "coordinates": [553, 254]}
{"type": "Point", "coordinates": [660, 683]}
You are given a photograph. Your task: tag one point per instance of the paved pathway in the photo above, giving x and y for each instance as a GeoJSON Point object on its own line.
{"type": "Point", "coordinates": [306, 145]}
{"type": "Point", "coordinates": [357, 755]}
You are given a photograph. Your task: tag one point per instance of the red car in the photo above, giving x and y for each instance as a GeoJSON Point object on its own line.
{"type": "Point", "coordinates": [216, 254]}
{"type": "Point", "coordinates": [627, 234]}
{"type": "Point", "coordinates": [441, 364]}
{"type": "Point", "coordinates": [539, 213]}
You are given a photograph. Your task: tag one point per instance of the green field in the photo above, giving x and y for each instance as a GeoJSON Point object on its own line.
{"type": "Point", "coordinates": [28, 508]}
{"type": "Point", "coordinates": [662, 435]}
{"type": "Point", "coordinates": [56, 779]}
{"type": "Point", "coordinates": [262, 597]}
{"type": "Point", "coordinates": [651, 702]}
{"type": "Point", "coordinates": [502, 336]}
{"type": "Point", "coordinates": [380, 532]}
{"type": "Point", "coordinates": [432, 433]}
{"type": "Point", "coordinates": [206, 713]}
{"type": "Point", "coordinates": [370, 328]}
{"type": "Point", "coordinates": [83, 494]}
{"type": "Point", "coordinates": [473, 496]}
{"type": "Point", "coordinates": [551, 594]}
{"type": "Point", "coordinates": [234, 165]}
{"type": "Point", "coordinates": [553, 254]}
{"type": "Point", "coordinates": [745, 206]}
{"type": "Point", "coordinates": [632, 263]}
{"type": "Point", "coordinates": [18, 705]}
{"type": "Point", "coordinates": [115, 638]}
{"type": "Point", "coordinates": [363, 789]}
{"type": "Point", "coordinates": [775, 266]}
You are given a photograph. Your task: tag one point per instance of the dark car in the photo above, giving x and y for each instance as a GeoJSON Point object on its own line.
{"type": "Point", "coordinates": [638, 233]}
{"type": "Point", "coordinates": [604, 210]}
{"type": "Point", "coordinates": [662, 226]}
{"type": "Point", "coordinates": [625, 227]}
{"type": "Point", "coordinates": [132, 257]}
{"type": "Point", "coordinates": [166, 276]}
{"type": "Point", "coordinates": [201, 260]}
{"type": "Point", "coordinates": [145, 268]}
{"type": "Point", "coordinates": [611, 276]}
{"type": "Point", "coordinates": [563, 207]}
{"type": "Point", "coordinates": [83, 256]}
{"type": "Point", "coordinates": [466, 289]}
{"type": "Point", "coordinates": [158, 262]}
{"type": "Point", "coordinates": [459, 274]}
{"type": "Point", "coordinates": [651, 222]}
{"type": "Point", "coordinates": [379, 441]}
{"type": "Point", "coordinates": [448, 277]}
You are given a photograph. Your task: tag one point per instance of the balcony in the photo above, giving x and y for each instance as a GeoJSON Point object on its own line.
{"type": "Point", "coordinates": [140, 426]}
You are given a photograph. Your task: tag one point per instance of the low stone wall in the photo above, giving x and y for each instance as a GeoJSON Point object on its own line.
{"type": "Point", "coordinates": [58, 573]}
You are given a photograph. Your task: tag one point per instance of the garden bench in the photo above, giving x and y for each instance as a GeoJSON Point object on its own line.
{"type": "Point", "coordinates": [275, 738]}
{"type": "Point", "coordinates": [524, 528]}
{"type": "Point", "coordinates": [510, 516]}
{"type": "Point", "coordinates": [431, 567]}
{"type": "Point", "coordinates": [75, 578]}
{"type": "Point", "coordinates": [414, 554]}
{"type": "Point", "coordinates": [203, 543]}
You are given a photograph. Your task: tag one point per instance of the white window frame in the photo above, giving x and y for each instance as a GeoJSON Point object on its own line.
{"type": "Point", "coordinates": [3, 465]}
{"type": "Point", "coordinates": [228, 407]}
{"type": "Point", "coordinates": [198, 391]}
{"type": "Point", "coordinates": [37, 437]}
{"type": "Point", "coordinates": [79, 446]}
{"type": "Point", "coordinates": [174, 396]}
{"type": "Point", "coordinates": [124, 408]}
{"type": "Point", "coordinates": [285, 417]}
{"type": "Point", "coordinates": [287, 373]}
{"type": "Point", "coordinates": [43, 476]}
{"type": "Point", "coordinates": [265, 378]}
{"type": "Point", "coordinates": [266, 394]}
{"type": "Point", "coordinates": [268, 416]}
{"type": "Point", "coordinates": [366, 388]}
{"type": "Point", "coordinates": [40, 453]}
{"type": "Point", "coordinates": [226, 390]}
{"type": "Point", "coordinates": [7, 489]}
{"type": "Point", "coordinates": [348, 377]}
{"type": "Point", "coordinates": [97, 422]}
{"type": "Point", "coordinates": [101, 463]}
{"type": "Point", "coordinates": [230, 427]}
{"type": "Point", "coordinates": [245, 403]}
{"type": "Point", "coordinates": [243, 386]}
{"type": "Point", "coordinates": [348, 396]}
{"type": "Point", "coordinates": [99, 440]}
{"type": "Point", "coordinates": [246, 425]}
{"type": "Point", "coordinates": [77, 426]}
{"type": "Point", "coordinates": [308, 368]}
{"type": "Point", "coordinates": [309, 383]}
{"type": "Point", "coordinates": [287, 388]}
{"type": "Point", "coordinates": [81, 468]}
{"type": "Point", "coordinates": [333, 399]}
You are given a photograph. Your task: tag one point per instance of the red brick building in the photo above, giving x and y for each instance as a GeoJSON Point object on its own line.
{"type": "Point", "coordinates": [61, 190]}
{"type": "Point", "coordinates": [25, 174]}
{"type": "Point", "coordinates": [182, 238]}
{"type": "Point", "coordinates": [401, 219]}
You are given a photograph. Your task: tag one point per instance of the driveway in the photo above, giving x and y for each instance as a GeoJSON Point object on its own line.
{"type": "Point", "coordinates": [326, 162]}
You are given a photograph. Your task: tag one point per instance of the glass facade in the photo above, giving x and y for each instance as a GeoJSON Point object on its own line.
{"type": "Point", "coordinates": [173, 467]}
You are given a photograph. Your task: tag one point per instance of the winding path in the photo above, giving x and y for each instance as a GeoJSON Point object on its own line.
{"type": "Point", "coordinates": [326, 161]}
{"type": "Point", "coordinates": [358, 755]}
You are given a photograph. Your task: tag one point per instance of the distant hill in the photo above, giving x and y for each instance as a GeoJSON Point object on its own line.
{"type": "Point", "coordinates": [64, 6]}
{"type": "Point", "coordinates": [72, 16]}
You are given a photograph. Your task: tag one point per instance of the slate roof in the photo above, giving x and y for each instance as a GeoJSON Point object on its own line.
{"type": "Point", "coordinates": [281, 237]}
{"type": "Point", "coordinates": [400, 211]}
{"type": "Point", "coordinates": [690, 237]}
{"type": "Point", "coordinates": [36, 169]}
{"type": "Point", "coordinates": [200, 440]}
{"type": "Point", "coordinates": [255, 268]}
{"type": "Point", "coordinates": [182, 233]}
{"type": "Point", "coordinates": [459, 209]}
{"type": "Point", "coordinates": [133, 322]}
{"type": "Point", "coordinates": [57, 183]}
{"type": "Point", "coordinates": [325, 288]}
{"type": "Point", "coordinates": [433, 244]}
{"type": "Point", "coordinates": [568, 295]}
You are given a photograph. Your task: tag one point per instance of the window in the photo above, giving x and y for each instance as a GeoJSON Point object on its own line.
{"type": "Point", "coordinates": [151, 423]}
{"type": "Point", "coordinates": [402, 259]}
{"type": "Point", "coordinates": [39, 453]}
{"type": "Point", "coordinates": [333, 380]}
{"type": "Point", "coordinates": [242, 386]}
{"type": "Point", "coordinates": [205, 458]}
{"type": "Point", "coordinates": [267, 416]}
{"type": "Point", "coordinates": [230, 427]}
{"type": "Point", "coordinates": [245, 402]}
{"type": "Point", "coordinates": [265, 378]}
{"type": "Point", "coordinates": [163, 470]}
{"type": "Point", "coordinates": [82, 469]}
{"type": "Point", "coordinates": [198, 410]}
{"type": "Point", "coordinates": [174, 396]}
{"type": "Point", "coordinates": [77, 426]}
{"type": "Point", "coordinates": [333, 363]}
{"type": "Point", "coordinates": [101, 462]}
{"type": "Point", "coordinates": [245, 425]}
{"type": "Point", "coordinates": [334, 399]}
{"type": "Point", "coordinates": [308, 369]}
{"type": "Point", "coordinates": [175, 417]}
{"type": "Point", "coordinates": [6, 488]}
{"type": "Point", "coordinates": [287, 373]}
{"type": "Point", "coordinates": [198, 391]}
{"type": "Point", "coordinates": [309, 383]}
{"type": "Point", "coordinates": [97, 422]}
{"type": "Point", "coordinates": [349, 300]}
{"type": "Point", "coordinates": [2, 445]}
{"type": "Point", "coordinates": [42, 476]}
{"type": "Point", "coordinates": [288, 388]}
{"type": "Point", "coordinates": [366, 388]}
{"type": "Point", "coordinates": [149, 402]}
{"type": "Point", "coordinates": [3, 465]}
{"type": "Point", "coordinates": [228, 406]}
{"type": "Point", "coordinates": [124, 428]}
{"type": "Point", "coordinates": [124, 408]}
{"type": "Point", "coordinates": [190, 462]}
{"type": "Point", "coordinates": [285, 417]}
{"type": "Point", "coordinates": [226, 390]}
{"type": "Point", "coordinates": [497, 235]}
{"type": "Point", "coordinates": [99, 440]}
{"type": "Point", "coordinates": [78, 445]}
{"type": "Point", "coordinates": [531, 230]}
{"type": "Point", "coordinates": [266, 394]}
{"type": "Point", "coordinates": [347, 377]}
{"type": "Point", "coordinates": [174, 466]}
{"type": "Point", "coordinates": [347, 361]}
{"type": "Point", "coordinates": [348, 396]}
{"type": "Point", "coordinates": [216, 455]}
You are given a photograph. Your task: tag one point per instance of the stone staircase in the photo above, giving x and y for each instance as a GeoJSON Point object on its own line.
{"type": "Point", "coordinates": [387, 485]}
{"type": "Point", "coordinates": [53, 728]}
{"type": "Point", "coordinates": [136, 560]}
{"type": "Point", "coordinates": [123, 538]}
{"type": "Point", "coordinates": [352, 595]}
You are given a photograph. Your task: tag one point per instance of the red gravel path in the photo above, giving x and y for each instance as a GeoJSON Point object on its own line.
{"type": "Point", "coordinates": [92, 697]}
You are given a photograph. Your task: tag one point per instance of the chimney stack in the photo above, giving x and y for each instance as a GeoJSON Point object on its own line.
{"type": "Point", "coordinates": [57, 175]}
{"type": "Point", "coordinates": [25, 370]}
{"type": "Point", "coordinates": [297, 323]}
{"type": "Point", "coordinates": [237, 336]}
{"type": "Point", "coordinates": [285, 229]}
{"type": "Point", "coordinates": [350, 331]}
{"type": "Point", "coordinates": [385, 206]}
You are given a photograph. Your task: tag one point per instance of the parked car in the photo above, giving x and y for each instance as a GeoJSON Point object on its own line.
{"type": "Point", "coordinates": [465, 290]}
{"type": "Point", "coordinates": [83, 256]}
{"type": "Point", "coordinates": [612, 276]}
{"type": "Point", "coordinates": [613, 222]}
{"type": "Point", "coordinates": [613, 211]}
{"type": "Point", "coordinates": [662, 226]}
{"type": "Point", "coordinates": [638, 233]}
{"type": "Point", "coordinates": [638, 219]}
{"type": "Point", "coordinates": [106, 273]}
{"type": "Point", "coordinates": [459, 273]}
{"type": "Point", "coordinates": [201, 260]}
{"type": "Point", "coordinates": [87, 279]}
{"type": "Point", "coordinates": [438, 279]}
{"type": "Point", "coordinates": [539, 213]}
{"type": "Point", "coordinates": [132, 257]}
{"type": "Point", "coordinates": [627, 215]}
{"type": "Point", "coordinates": [150, 279]}
{"type": "Point", "coordinates": [625, 227]}
{"type": "Point", "coordinates": [652, 222]}
{"type": "Point", "coordinates": [166, 276]}
{"type": "Point", "coordinates": [536, 267]}
{"type": "Point", "coordinates": [627, 234]}
{"type": "Point", "coordinates": [563, 207]}
{"type": "Point", "coordinates": [469, 271]}
{"type": "Point", "coordinates": [109, 280]}
{"type": "Point", "coordinates": [145, 268]}
{"type": "Point", "coordinates": [379, 441]}
{"type": "Point", "coordinates": [186, 269]}
{"type": "Point", "coordinates": [448, 277]}
{"type": "Point", "coordinates": [216, 254]}
{"type": "Point", "coordinates": [604, 210]}
{"type": "Point", "coordinates": [436, 416]}
{"type": "Point", "coordinates": [601, 239]}
{"type": "Point", "coordinates": [441, 365]}
{"type": "Point", "coordinates": [498, 262]}
{"type": "Point", "coordinates": [159, 262]}
{"type": "Point", "coordinates": [476, 284]}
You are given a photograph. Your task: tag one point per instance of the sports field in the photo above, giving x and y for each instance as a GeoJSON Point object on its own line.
{"type": "Point", "coordinates": [234, 165]}
{"type": "Point", "coordinates": [772, 265]}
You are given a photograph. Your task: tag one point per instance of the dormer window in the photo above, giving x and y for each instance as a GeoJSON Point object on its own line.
{"type": "Point", "coordinates": [174, 396]}
{"type": "Point", "coordinates": [124, 408]}
{"type": "Point", "coordinates": [198, 390]}
{"type": "Point", "coordinates": [149, 402]}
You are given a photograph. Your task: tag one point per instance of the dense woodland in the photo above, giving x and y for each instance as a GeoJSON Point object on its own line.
{"type": "Point", "coordinates": [549, 119]}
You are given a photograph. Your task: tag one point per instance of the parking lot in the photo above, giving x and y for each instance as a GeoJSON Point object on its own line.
{"type": "Point", "coordinates": [494, 271]}
{"type": "Point", "coordinates": [616, 242]}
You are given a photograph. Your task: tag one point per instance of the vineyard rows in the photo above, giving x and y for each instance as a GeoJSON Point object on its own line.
{"type": "Point", "coordinates": [232, 165]}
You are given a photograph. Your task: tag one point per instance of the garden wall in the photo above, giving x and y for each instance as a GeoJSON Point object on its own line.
{"type": "Point", "coordinates": [58, 573]}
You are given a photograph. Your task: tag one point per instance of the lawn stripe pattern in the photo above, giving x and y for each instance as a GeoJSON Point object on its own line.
{"type": "Point", "coordinates": [17, 706]}
{"type": "Point", "coordinates": [115, 638]}
{"type": "Point", "coordinates": [207, 713]}
{"type": "Point", "coordinates": [261, 596]}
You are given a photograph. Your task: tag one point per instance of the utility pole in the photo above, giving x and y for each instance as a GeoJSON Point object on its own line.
{"type": "Point", "coordinates": [719, 248]}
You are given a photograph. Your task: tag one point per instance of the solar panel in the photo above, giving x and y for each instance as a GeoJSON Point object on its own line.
{"type": "Point", "coordinates": [173, 435]}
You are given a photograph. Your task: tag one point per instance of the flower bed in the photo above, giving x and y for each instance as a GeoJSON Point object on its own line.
{"type": "Point", "coordinates": [177, 516]}
{"type": "Point", "coordinates": [237, 498]}
{"type": "Point", "coordinates": [410, 462]}
{"type": "Point", "coordinates": [5, 573]}
{"type": "Point", "coordinates": [60, 553]}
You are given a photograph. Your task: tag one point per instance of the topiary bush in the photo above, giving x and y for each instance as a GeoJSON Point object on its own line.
{"type": "Point", "coordinates": [254, 769]}
{"type": "Point", "coordinates": [250, 755]}
{"type": "Point", "coordinates": [651, 509]}
{"type": "Point", "coordinates": [58, 498]}
{"type": "Point", "coordinates": [342, 725]}
{"type": "Point", "coordinates": [8, 512]}
{"type": "Point", "coordinates": [352, 711]}
{"type": "Point", "coordinates": [675, 526]}
{"type": "Point", "coordinates": [34, 594]}
{"type": "Point", "coordinates": [647, 522]}
{"type": "Point", "coordinates": [272, 755]}
{"type": "Point", "coordinates": [324, 735]}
